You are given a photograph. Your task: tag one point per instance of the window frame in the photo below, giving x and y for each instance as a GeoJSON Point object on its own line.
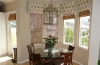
{"type": "Point", "coordinates": [64, 35]}
{"type": "Point", "coordinates": [80, 33]}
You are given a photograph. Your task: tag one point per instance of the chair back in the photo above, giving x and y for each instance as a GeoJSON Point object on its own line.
{"type": "Point", "coordinates": [71, 48]}
{"type": "Point", "coordinates": [37, 57]}
{"type": "Point", "coordinates": [30, 50]}
{"type": "Point", "coordinates": [67, 58]}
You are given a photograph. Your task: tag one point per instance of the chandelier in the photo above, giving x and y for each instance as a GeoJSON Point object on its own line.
{"type": "Point", "coordinates": [50, 15]}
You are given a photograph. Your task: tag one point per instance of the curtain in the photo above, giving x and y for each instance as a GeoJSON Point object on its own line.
{"type": "Point", "coordinates": [52, 30]}
{"type": "Point", "coordinates": [36, 28]}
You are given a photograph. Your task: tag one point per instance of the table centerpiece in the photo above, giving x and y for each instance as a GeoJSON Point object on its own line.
{"type": "Point", "coordinates": [50, 41]}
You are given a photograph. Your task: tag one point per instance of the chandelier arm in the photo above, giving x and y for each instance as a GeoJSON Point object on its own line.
{"type": "Point", "coordinates": [51, 2]}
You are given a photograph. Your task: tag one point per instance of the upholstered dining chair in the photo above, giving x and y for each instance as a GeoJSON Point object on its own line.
{"type": "Point", "coordinates": [67, 57]}
{"type": "Point", "coordinates": [30, 52]}
{"type": "Point", "coordinates": [71, 49]}
{"type": "Point", "coordinates": [35, 59]}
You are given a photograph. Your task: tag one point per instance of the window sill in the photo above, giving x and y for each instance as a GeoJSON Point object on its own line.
{"type": "Point", "coordinates": [84, 47]}
{"type": "Point", "coordinates": [68, 44]}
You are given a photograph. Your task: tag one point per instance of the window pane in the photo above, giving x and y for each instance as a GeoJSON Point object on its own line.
{"type": "Point", "coordinates": [85, 22]}
{"type": "Point", "coordinates": [66, 39]}
{"type": "Point", "coordinates": [70, 39]}
{"type": "Point", "coordinates": [84, 30]}
{"type": "Point", "coordinates": [69, 23]}
{"type": "Point", "coordinates": [69, 30]}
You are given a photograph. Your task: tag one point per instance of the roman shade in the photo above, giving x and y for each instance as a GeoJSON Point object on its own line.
{"type": "Point", "coordinates": [84, 13]}
{"type": "Point", "coordinates": [68, 17]}
{"type": "Point", "coordinates": [12, 17]}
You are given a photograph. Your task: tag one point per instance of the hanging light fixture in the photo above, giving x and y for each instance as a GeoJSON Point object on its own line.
{"type": "Point", "coordinates": [50, 15]}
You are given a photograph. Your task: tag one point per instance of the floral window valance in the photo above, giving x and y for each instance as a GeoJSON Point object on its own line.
{"type": "Point", "coordinates": [65, 8]}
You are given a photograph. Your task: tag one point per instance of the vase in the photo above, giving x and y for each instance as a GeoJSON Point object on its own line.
{"type": "Point", "coordinates": [50, 54]}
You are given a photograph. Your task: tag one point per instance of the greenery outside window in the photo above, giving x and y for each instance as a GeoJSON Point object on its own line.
{"type": "Point", "coordinates": [69, 31]}
{"type": "Point", "coordinates": [84, 31]}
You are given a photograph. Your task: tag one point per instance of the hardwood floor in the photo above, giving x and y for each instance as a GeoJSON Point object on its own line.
{"type": "Point", "coordinates": [9, 62]}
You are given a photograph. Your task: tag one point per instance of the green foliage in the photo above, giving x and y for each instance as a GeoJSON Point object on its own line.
{"type": "Point", "coordinates": [99, 62]}
{"type": "Point", "coordinates": [51, 41]}
{"type": "Point", "coordinates": [70, 34]}
{"type": "Point", "coordinates": [85, 37]}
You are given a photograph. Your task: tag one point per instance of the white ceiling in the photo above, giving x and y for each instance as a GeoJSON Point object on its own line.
{"type": "Point", "coordinates": [45, 1]}
{"type": "Point", "coordinates": [7, 1]}
{"type": "Point", "coordinates": [53, 1]}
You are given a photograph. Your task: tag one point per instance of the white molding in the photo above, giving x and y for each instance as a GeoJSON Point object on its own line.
{"type": "Point", "coordinates": [22, 61]}
{"type": "Point", "coordinates": [13, 11]}
{"type": "Point", "coordinates": [28, 60]}
{"type": "Point", "coordinates": [77, 62]}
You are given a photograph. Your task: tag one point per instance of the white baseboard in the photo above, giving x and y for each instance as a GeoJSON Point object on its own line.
{"type": "Point", "coordinates": [77, 62]}
{"type": "Point", "coordinates": [28, 60]}
{"type": "Point", "coordinates": [23, 61]}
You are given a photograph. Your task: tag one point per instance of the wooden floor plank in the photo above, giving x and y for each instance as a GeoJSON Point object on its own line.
{"type": "Point", "coordinates": [9, 62]}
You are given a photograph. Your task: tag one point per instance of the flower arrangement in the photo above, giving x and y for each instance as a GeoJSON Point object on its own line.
{"type": "Point", "coordinates": [50, 41]}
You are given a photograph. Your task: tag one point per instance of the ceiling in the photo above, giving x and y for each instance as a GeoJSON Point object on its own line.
{"type": "Point", "coordinates": [46, 1]}
{"type": "Point", "coordinates": [6, 1]}
{"type": "Point", "coordinates": [53, 1]}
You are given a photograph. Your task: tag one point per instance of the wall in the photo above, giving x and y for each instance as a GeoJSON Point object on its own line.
{"type": "Point", "coordinates": [23, 30]}
{"type": "Point", "coordinates": [11, 6]}
{"type": "Point", "coordinates": [23, 35]}
{"type": "Point", "coordinates": [95, 34]}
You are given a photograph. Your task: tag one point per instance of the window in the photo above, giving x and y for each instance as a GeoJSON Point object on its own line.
{"type": "Point", "coordinates": [13, 33]}
{"type": "Point", "coordinates": [69, 31]}
{"type": "Point", "coordinates": [84, 31]}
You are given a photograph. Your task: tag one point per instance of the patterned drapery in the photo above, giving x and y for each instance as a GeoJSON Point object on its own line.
{"type": "Point", "coordinates": [36, 28]}
{"type": "Point", "coordinates": [52, 30]}
{"type": "Point", "coordinates": [65, 8]}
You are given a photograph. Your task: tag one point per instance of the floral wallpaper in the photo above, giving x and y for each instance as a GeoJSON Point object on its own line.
{"type": "Point", "coordinates": [64, 8]}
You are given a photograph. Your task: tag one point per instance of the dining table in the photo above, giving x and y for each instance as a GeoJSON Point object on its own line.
{"type": "Point", "coordinates": [54, 59]}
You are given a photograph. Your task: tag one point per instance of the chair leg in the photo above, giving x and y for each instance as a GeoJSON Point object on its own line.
{"type": "Point", "coordinates": [71, 63]}
{"type": "Point", "coordinates": [30, 62]}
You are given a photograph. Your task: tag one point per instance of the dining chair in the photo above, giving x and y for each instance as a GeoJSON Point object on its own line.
{"type": "Point", "coordinates": [30, 52]}
{"type": "Point", "coordinates": [67, 57]}
{"type": "Point", "coordinates": [71, 49]}
{"type": "Point", "coordinates": [34, 58]}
